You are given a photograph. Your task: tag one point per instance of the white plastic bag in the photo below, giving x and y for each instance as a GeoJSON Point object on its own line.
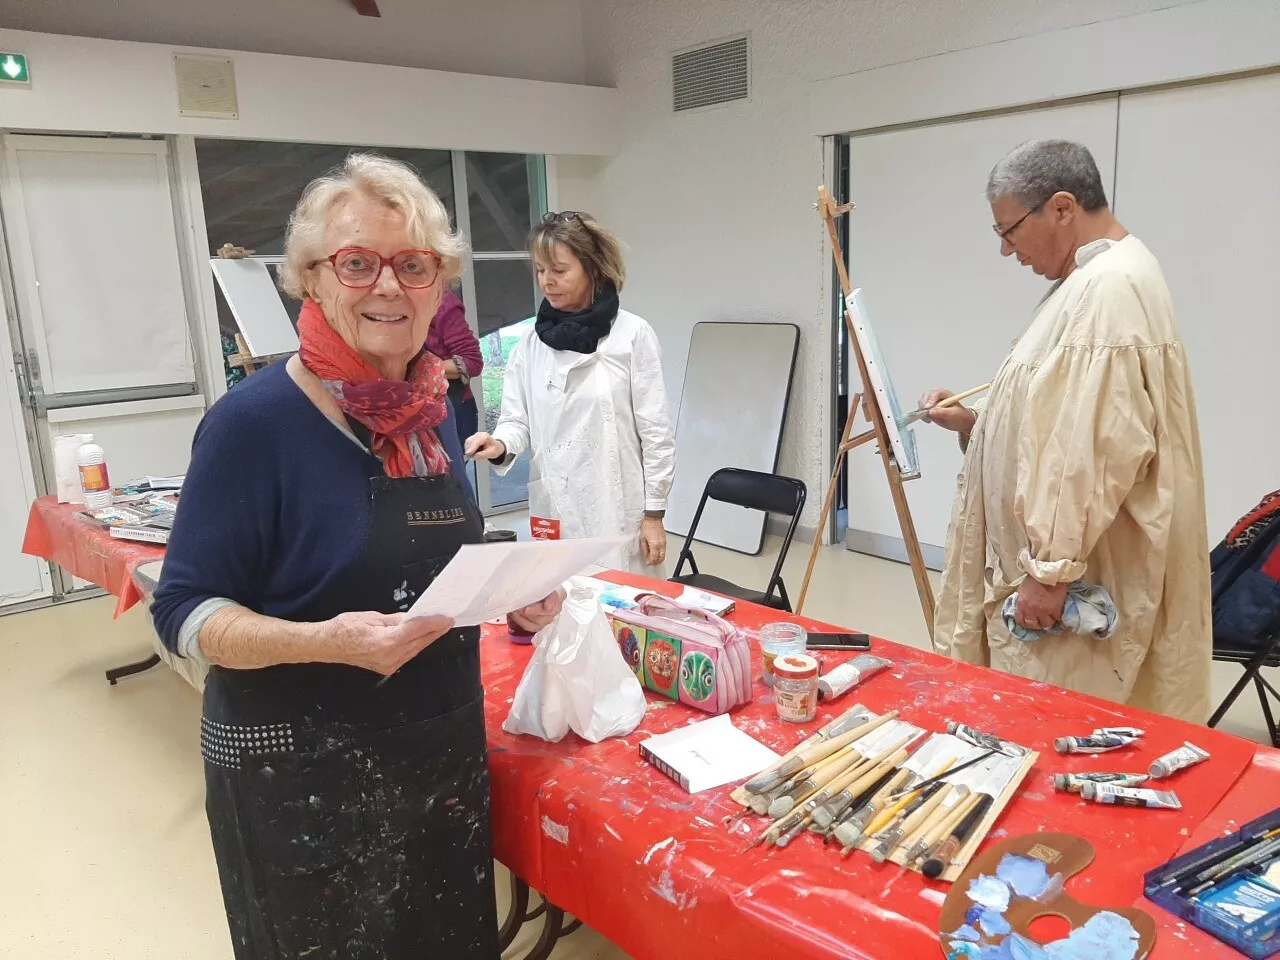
{"type": "Point", "coordinates": [577, 679]}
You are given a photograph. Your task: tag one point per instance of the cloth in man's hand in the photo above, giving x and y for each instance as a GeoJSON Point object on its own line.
{"type": "Point", "coordinates": [1088, 610]}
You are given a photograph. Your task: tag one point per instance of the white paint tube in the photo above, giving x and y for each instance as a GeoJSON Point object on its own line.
{"type": "Point", "coordinates": [1094, 743]}
{"type": "Point", "coordinates": [1074, 782]}
{"type": "Point", "coordinates": [849, 674]}
{"type": "Point", "coordinates": [1119, 732]}
{"type": "Point", "coordinates": [1131, 796]}
{"type": "Point", "coordinates": [1187, 755]}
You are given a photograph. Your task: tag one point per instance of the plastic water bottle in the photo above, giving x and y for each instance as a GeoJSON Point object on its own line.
{"type": "Point", "coordinates": [94, 480]}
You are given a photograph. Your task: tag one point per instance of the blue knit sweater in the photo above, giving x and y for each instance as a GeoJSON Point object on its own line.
{"type": "Point", "coordinates": [276, 504]}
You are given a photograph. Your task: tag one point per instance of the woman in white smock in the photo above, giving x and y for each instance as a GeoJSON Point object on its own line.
{"type": "Point", "coordinates": [584, 395]}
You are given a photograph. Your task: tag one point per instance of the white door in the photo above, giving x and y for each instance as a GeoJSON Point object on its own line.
{"type": "Point", "coordinates": [945, 305]}
{"type": "Point", "coordinates": [22, 578]}
{"type": "Point", "coordinates": [101, 307]}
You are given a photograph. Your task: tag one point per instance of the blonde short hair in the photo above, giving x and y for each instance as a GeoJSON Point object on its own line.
{"type": "Point", "coordinates": [595, 246]}
{"type": "Point", "coordinates": [380, 178]}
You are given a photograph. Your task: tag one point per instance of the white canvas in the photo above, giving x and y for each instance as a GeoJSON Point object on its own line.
{"type": "Point", "coordinates": [902, 441]}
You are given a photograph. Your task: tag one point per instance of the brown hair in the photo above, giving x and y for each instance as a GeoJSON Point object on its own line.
{"type": "Point", "coordinates": [595, 246]}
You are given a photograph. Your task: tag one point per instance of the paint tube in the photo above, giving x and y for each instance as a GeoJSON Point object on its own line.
{"type": "Point", "coordinates": [1119, 732]}
{"type": "Point", "coordinates": [1094, 743]}
{"type": "Point", "coordinates": [987, 741]}
{"type": "Point", "coordinates": [849, 674]}
{"type": "Point", "coordinates": [1074, 782]}
{"type": "Point", "coordinates": [1187, 755]}
{"type": "Point", "coordinates": [1130, 796]}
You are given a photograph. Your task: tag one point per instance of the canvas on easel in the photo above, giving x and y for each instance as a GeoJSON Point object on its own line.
{"type": "Point", "coordinates": [901, 439]}
{"type": "Point", "coordinates": [882, 410]}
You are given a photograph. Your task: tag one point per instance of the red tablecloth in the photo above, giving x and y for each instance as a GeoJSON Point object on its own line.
{"type": "Point", "coordinates": [611, 840]}
{"type": "Point", "coordinates": [59, 532]}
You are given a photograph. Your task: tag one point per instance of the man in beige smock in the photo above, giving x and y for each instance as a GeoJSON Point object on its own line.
{"type": "Point", "coordinates": [1084, 461]}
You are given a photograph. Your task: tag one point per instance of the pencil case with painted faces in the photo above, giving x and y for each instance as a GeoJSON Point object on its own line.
{"type": "Point", "coordinates": [688, 655]}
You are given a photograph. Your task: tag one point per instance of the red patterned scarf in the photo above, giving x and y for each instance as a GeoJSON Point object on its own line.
{"type": "Point", "coordinates": [401, 414]}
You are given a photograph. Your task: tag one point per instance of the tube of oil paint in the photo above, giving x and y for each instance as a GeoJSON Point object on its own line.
{"type": "Point", "coordinates": [1120, 731]}
{"type": "Point", "coordinates": [1094, 743]}
{"type": "Point", "coordinates": [1187, 755]}
{"type": "Point", "coordinates": [849, 674]}
{"type": "Point", "coordinates": [1131, 796]}
{"type": "Point", "coordinates": [1074, 782]}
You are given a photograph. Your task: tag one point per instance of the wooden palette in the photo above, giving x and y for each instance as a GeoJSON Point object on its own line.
{"type": "Point", "coordinates": [1062, 853]}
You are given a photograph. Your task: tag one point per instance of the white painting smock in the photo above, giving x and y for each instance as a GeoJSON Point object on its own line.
{"type": "Point", "coordinates": [599, 433]}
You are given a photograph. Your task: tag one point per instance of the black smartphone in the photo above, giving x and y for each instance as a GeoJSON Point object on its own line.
{"type": "Point", "coordinates": [839, 641]}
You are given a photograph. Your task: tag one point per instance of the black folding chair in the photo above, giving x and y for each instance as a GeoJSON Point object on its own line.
{"type": "Point", "coordinates": [1234, 643]}
{"type": "Point", "coordinates": [1253, 659]}
{"type": "Point", "coordinates": [756, 491]}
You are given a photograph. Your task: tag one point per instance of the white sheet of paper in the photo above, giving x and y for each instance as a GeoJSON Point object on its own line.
{"type": "Point", "coordinates": [711, 753]}
{"type": "Point", "coordinates": [488, 580]}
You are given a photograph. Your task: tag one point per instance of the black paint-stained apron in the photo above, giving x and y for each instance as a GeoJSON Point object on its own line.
{"type": "Point", "coordinates": [350, 817]}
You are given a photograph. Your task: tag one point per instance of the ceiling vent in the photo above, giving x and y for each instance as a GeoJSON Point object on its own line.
{"type": "Point", "coordinates": [716, 73]}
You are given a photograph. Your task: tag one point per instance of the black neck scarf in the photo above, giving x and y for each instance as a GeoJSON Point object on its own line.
{"type": "Point", "coordinates": [582, 331]}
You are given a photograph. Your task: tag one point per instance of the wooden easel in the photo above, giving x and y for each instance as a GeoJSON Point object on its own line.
{"type": "Point", "coordinates": [828, 209]}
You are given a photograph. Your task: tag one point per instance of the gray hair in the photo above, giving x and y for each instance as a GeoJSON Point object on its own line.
{"type": "Point", "coordinates": [381, 178]}
{"type": "Point", "coordinates": [1034, 171]}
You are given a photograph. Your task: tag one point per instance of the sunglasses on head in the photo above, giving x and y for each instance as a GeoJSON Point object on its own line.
{"type": "Point", "coordinates": [565, 216]}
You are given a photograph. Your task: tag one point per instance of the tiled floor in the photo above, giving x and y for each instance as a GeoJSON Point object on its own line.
{"type": "Point", "coordinates": [104, 851]}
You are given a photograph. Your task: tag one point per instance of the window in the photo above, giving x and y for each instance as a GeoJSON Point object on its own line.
{"type": "Point", "coordinates": [250, 187]}
{"type": "Point", "coordinates": [506, 196]}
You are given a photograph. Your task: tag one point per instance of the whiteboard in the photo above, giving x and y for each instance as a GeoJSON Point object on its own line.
{"type": "Point", "coordinates": [947, 306]}
{"type": "Point", "coordinates": [255, 303]}
{"type": "Point", "coordinates": [736, 386]}
{"type": "Point", "coordinates": [1218, 247]}
{"type": "Point", "coordinates": [95, 257]}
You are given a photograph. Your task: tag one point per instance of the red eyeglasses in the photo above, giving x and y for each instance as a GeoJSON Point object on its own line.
{"type": "Point", "coordinates": [359, 267]}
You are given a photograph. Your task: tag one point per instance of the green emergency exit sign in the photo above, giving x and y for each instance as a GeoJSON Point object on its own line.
{"type": "Point", "coordinates": [14, 69]}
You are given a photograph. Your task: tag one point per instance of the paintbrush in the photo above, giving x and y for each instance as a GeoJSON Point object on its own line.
{"type": "Point", "coordinates": [760, 802]}
{"type": "Point", "coordinates": [914, 815]}
{"type": "Point", "coordinates": [856, 781]}
{"type": "Point", "coordinates": [951, 401]}
{"type": "Point", "coordinates": [947, 773]}
{"type": "Point", "coordinates": [884, 766]}
{"type": "Point", "coordinates": [892, 810]}
{"type": "Point", "coordinates": [1217, 858]}
{"type": "Point", "coordinates": [1258, 853]}
{"type": "Point", "coordinates": [940, 859]}
{"type": "Point", "coordinates": [848, 831]}
{"type": "Point", "coordinates": [842, 803]}
{"type": "Point", "coordinates": [885, 762]}
{"type": "Point", "coordinates": [807, 787]}
{"type": "Point", "coordinates": [924, 843]}
{"type": "Point", "coordinates": [811, 755]}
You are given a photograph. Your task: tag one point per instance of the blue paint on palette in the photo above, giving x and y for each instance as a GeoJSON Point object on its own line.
{"type": "Point", "coordinates": [987, 934]}
{"type": "Point", "coordinates": [1028, 877]}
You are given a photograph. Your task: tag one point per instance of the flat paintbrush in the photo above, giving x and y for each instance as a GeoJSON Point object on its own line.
{"type": "Point", "coordinates": [849, 830]}
{"type": "Point", "coordinates": [761, 802]}
{"type": "Point", "coordinates": [951, 401]}
{"type": "Point", "coordinates": [811, 755]}
{"type": "Point", "coordinates": [842, 802]}
{"type": "Point", "coordinates": [813, 784]}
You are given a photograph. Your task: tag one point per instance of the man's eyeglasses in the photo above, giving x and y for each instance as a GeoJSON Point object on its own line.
{"type": "Point", "coordinates": [1007, 232]}
{"type": "Point", "coordinates": [359, 268]}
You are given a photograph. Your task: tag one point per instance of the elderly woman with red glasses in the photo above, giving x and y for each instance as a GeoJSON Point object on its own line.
{"type": "Point", "coordinates": [344, 743]}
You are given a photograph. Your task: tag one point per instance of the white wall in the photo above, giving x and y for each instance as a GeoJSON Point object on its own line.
{"type": "Point", "coordinates": [716, 206]}
{"type": "Point", "coordinates": [82, 84]}
{"type": "Point", "coordinates": [528, 39]}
